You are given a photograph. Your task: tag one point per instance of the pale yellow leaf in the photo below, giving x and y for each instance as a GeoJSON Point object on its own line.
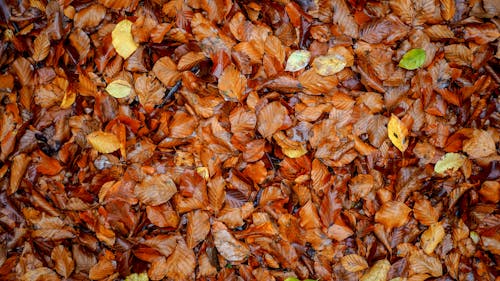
{"type": "Point", "coordinates": [397, 133]}
{"type": "Point", "coordinates": [378, 272]}
{"type": "Point", "coordinates": [103, 142]}
{"type": "Point", "coordinates": [431, 238]}
{"type": "Point", "coordinates": [68, 99]}
{"type": "Point", "coordinates": [298, 60]}
{"type": "Point", "coordinates": [329, 65]}
{"type": "Point", "coordinates": [137, 277]}
{"type": "Point", "coordinates": [119, 88]}
{"type": "Point", "coordinates": [122, 39]}
{"type": "Point", "coordinates": [449, 161]}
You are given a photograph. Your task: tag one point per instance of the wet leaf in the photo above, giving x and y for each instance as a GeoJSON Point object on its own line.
{"type": "Point", "coordinates": [123, 42]}
{"type": "Point", "coordinates": [104, 142]}
{"type": "Point", "coordinates": [297, 60]}
{"type": "Point", "coordinates": [398, 133]}
{"type": "Point", "coordinates": [413, 59]}
{"type": "Point", "coordinates": [119, 88]}
{"type": "Point", "coordinates": [449, 161]}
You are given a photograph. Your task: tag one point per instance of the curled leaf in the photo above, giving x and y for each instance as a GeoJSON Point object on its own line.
{"type": "Point", "coordinates": [329, 65]}
{"type": "Point", "coordinates": [103, 142]}
{"type": "Point", "coordinates": [297, 60]}
{"type": "Point", "coordinates": [413, 59]}
{"type": "Point", "coordinates": [397, 133]}
{"type": "Point", "coordinates": [290, 148]}
{"type": "Point", "coordinates": [119, 88]}
{"type": "Point", "coordinates": [449, 161]}
{"type": "Point", "coordinates": [122, 39]}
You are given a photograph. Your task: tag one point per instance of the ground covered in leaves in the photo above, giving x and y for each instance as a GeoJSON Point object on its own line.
{"type": "Point", "coordinates": [249, 140]}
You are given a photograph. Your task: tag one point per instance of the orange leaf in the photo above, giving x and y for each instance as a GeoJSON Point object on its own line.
{"type": "Point", "coordinates": [103, 142]}
{"type": "Point", "coordinates": [64, 264]}
{"type": "Point", "coordinates": [392, 214]}
{"type": "Point", "coordinates": [354, 263]}
{"type": "Point", "coordinates": [155, 190]}
{"type": "Point", "coordinates": [232, 84]}
{"type": "Point", "coordinates": [230, 248]}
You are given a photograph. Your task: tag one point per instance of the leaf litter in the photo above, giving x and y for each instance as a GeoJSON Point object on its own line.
{"type": "Point", "coordinates": [249, 140]}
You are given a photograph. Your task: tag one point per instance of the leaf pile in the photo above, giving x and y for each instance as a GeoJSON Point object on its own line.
{"type": "Point", "coordinates": [249, 140]}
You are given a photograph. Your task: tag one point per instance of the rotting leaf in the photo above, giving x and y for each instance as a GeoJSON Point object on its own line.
{"type": "Point", "coordinates": [119, 88]}
{"type": "Point", "coordinates": [122, 39]}
{"type": "Point", "coordinates": [103, 142]}
{"type": "Point", "coordinates": [413, 59]}
{"type": "Point", "coordinates": [449, 161]}
{"type": "Point", "coordinates": [298, 60]}
{"type": "Point", "coordinates": [398, 133]}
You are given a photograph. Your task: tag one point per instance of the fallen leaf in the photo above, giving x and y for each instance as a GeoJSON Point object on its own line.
{"type": "Point", "coordinates": [64, 264]}
{"type": "Point", "coordinates": [392, 214]}
{"type": "Point", "coordinates": [413, 59]}
{"type": "Point", "coordinates": [329, 65]}
{"type": "Point", "coordinates": [103, 142]}
{"type": "Point", "coordinates": [353, 263]}
{"type": "Point", "coordinates": [431, 238]}
{"type": "Point", "coordinates": [292, 149]}
{"type": "Point", "coordinates": [122, 39]}
{"type": "Point", "coordinates": [449, 161]}
{"type": "Point", "coordinates": [137, 277]}
{"type": "Point", "coordinates": [230, 248]}
{"type": "Point", "coordinates": [232, 84]}
{"type": "Point", "coordinates": [378, 272]}
{"type": "Point", "coordinates": [398, 133]}
{"type": "Point", "coordinates": [119, 88]}
{"type": "Point", "coordinates": [155, 190]}
{"type": "Point", "coordinates": [480, 145]}
{"type": "Point", "coordinates": [297, 60]}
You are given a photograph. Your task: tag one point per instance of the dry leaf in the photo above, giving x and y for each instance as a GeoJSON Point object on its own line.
{"type": "Point", "coordinates": [398, 133]}
{"type": "Point", "coordinates": [18, 168]}
{"type": "Point", "coordinates": [64, 264]}
{"type": "Point", "coordinates": [271, 118]}
{"type": "Point", "coordinates": [41, 47]}
{"type": "Point", "coordinates": [292, 149]}
{"type": "Point", "coordinates": [230, 248]}
{"type": "Point", "coordinates": [425, 213]}
{"type": "Point", "coordinates": [392, 214]}
{"type": "Point", "coordinates": [480, 145]}
{"type": "Point", "coordinates": [180, 265]}
{"type": "Point", "coordinates": [137, 277]}
{"type": "Point", "coordinates": [354, 263]}
{"type": "Point", "coordinates": [123, 42]}
{"type": "Point", "coordinates": [68, 99]}
{"type": "Point", "coordinates": [155, 190]}
{"type": "Point", "coordinates": [232, 84]}
{"type": "Point", "coordinates": [329, 65]}
{"type": "Point", "coordinates": [119, 88]}
{"type": "Point", "coordinates": [103, 142]}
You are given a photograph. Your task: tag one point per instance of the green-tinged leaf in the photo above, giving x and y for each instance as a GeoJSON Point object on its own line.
{"type": "Point", "coordinates": [137, 277]}
{"type": "Point", "coordinates": [413, 59]}
{"type": "Point", "coordinates": [119, 88]}
{"type": "Point", "coordinates": [292, 279]}
{"type": "Point", "coordinates": [449, 161]}
{"type": "Point", "coordinates": [298, 60]}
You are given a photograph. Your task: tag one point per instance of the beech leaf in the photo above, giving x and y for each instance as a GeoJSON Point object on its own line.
{"type": "Point", "coordinates": [329, 65]}
{"type": "Point", "coordinates": [297, 60]}
{"type": "Point", "coordinates": [119, 88]}
{"type": "Point", "coordinates": [449, 161]}
{"type": "Point", "coordinates": [137, 277]}
{"type": "Point", "coordinates": [104, 142]}
{"type": "Point", "coordinates": [397, 132]}
{"type": "Point", "coordinates": [122, 39]}
{"type": "Point", "coordinates": [413, 59]}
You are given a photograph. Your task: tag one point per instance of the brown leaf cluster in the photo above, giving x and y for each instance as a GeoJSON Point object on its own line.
{"type": "Point", "coordinates": [249, 140]}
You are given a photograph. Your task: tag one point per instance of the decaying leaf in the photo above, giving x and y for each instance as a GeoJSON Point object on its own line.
{"type": "Point", "coordinates": [119, 88]}
{"type": "Point", "coordinates": [297, 60]}
{"type": "Point", "coordinates": [103, 142]}
{"type": "Point", "coordinates": [398, 133]}
{"type": "Point", "coordinates": [449, 161]}
{"type": "Point", "coordinates": [123, 42]}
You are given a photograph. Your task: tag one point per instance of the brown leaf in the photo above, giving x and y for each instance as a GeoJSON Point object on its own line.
{"type": "Point", "coordinates": [41, 47]}
{"type": "Point", "coordinates": [163, 216]}
{"type": "Point", "coordinates": [182, 125]}
{"type": "Point", "coordinates": [230, 248]}
{"type": "Point", "coordinates": [166, 71]}
{"type": "Point", "coordinates": [181, 263]}
{"type": "Point", "coordinates": [155, 190]}
{"type": "Point", "coordinates": [232, 84]}
{"type": "Point", "coordinates": [197, 228]}
{"type": "Point", "coordinates": [480, 145]}
{"type": "Point", "coordinates": [431, 238]}
{"type": "Point", "coordinates": [19, 165]}
{"type": "Point", "coordinates": [189, 60]}
{"type": "Point", "coordinates": [103, 142]}
{"type": "Point", "coordinates": [81, 42]}
{"type": "Point", "coordinates": [271, 118]}
{"type": "Point", "coordinates": [89, 17]}
{"type": "Point", "coordinates": [102, 269]}
{"type": "Point", "coordinates": [378, 272]}
{"type": "Point", "coordinates": [421, 263]}
{"type": "Point", "coordinates": [316, 84]}
{"type": "Point", "coordinates": [425, 213]}
{"type": "Point", "coordinates": [392, 214]}
{"type": "Point", "coordinates": [64, 264]}
{"type": "Point", "coordinates": [40, 274]}
{"type": "Point", "coordinates": [354, 263]}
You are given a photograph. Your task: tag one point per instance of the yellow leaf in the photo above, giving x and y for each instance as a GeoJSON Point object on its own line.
{"type": "Point", "coordinates": [290, 148]}
{"type": "Point", "coordinates": [378, 272]}
{"type": "Point", "coordinates": [329, 65]}
{"type": "Point", "coordinates": [203, 172]}
{"type": "Point", "coordinates": [432, 237]}
{"type": "Point", "coordinates": [398, 133]}
{"type": "Point", "coordinates": [119, 88]}
{"type": "Point", "coordinates": [68, 99]}
{"type": "Point", "coordinates": [103, 142]}
{"type": "Point", "coordinates": [449, 161]}
{"type": "Point", "coordinates": [137, 277]}
{"type": "Point", "coordinates": [122, 39]}
{"type": "Point", "coordinates": [298, 60]}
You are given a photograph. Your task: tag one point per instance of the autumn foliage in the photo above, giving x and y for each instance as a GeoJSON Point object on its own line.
{"type": "Point", "coordinates": [249, 140]}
